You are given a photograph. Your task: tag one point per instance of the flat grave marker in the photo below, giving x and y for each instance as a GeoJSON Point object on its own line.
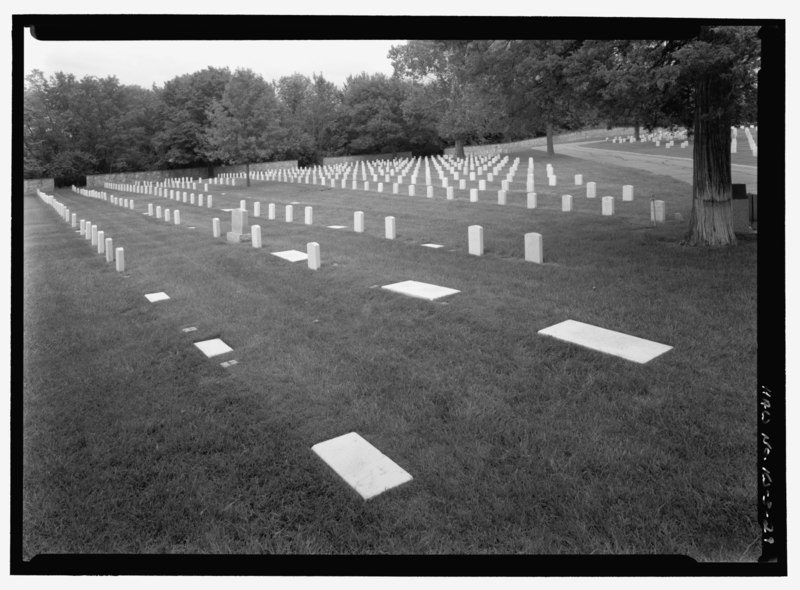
{"type": "Point", "coordinates": [291, 255]}
{"type": "Point", "coordinates": [363, 467]}
{"type": "Point", "coordinates": [153, 297]}
{"type": "Point", "coordinates": [213, 347]}
{"type": "Point", "coordinates": [631, 348]}
{"type": "Point", "coordinates": [420, 290]}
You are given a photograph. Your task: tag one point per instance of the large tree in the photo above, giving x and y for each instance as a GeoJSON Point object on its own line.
{"type": "Point", "coordinates": [719, 69]}
{"type": "Point", "coordinates": [449, 90]}
{"type": "Point", "coordinates": [244, 126]}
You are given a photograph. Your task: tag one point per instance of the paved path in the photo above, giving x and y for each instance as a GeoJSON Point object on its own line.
{"type": "Point", "coordinates": [679, 168]}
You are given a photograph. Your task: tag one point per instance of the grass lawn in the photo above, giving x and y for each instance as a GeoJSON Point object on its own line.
{"type": "Point", "coordinates": [134, 442]}
{"type": "Point", "coordinates": [742, 156]}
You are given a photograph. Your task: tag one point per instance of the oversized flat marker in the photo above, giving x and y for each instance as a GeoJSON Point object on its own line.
{"type": "Point", "coordinates": [618, 344]}
{"type": "Point", "coordinates": [213, 347]}
{"type": "Point", "coordinates": [363, 467]}
{"type": "Point", "coordinates": [420, 290]}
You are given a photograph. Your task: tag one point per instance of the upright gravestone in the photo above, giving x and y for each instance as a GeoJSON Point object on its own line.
{"type": "Point", "coordinates": [109, 250]}
{"type": "Point", "coordinates": [566, 202]}
{"type": "Point", "coordinates": [101, 242]}
{"type": "Point", "coordinates": [578, 179]}
{"type": "Point", "coordinates": [358, 222]}
{"type": "Point", "coordinates": [450, 193]}
{"type": "Point", "coordinates": [309, 215]}
{"type": "Point", "coordinates": [215, 227]}
{"type": "Point", "coordinates": [255, 232]}
{"type": "Point", "coordinates": [473, 195]}
{"type": "Point", "coordinates": [239, 225]}
{"type": "Point", "coordinates": [150, 209]}
{"type": "Point", "coordinates": [158, 211]}
{"type": "Point", "coordinates": [200, 200]}
{"type": "Point", "coordinates": [658, 211]}
{"type": "Point", "coordinates": [533, 248]}
{"type": "Point", "coordinates": [210, 201]}
{"type": "Point", "coordinates": [167, 217]}
{"type": "Point", "coordinates": [627, 192]}
{"type": "Point", "coordinates": [391, 228]}
{"type": "Point", "coordinates": [120, 257]}
{"type": "Point", "coordinates": [591, 190]}
{"type": "Point", "coordinates": [501, 197]}
{"type": "Point", "coordinates": [532, 201]}
{"type": "Point", "coordinates": [608, 205]}
{"type": "Point", "coordinates": [271, 211]}
{"type": "Point", "coordinates": [289, 213]}
{"type": "Point", "coordinates": [312, 251]}
{"type": "Point", "coordinates": [93, 235]}
{"type": "Point", "coordinates": [177, 216]}
{"type": "Point", "coordinates": [475, 235]}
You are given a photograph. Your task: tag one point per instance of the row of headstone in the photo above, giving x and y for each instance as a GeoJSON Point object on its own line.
{"type": "Point", "coordinates": [104, 245]}
{"type": "Point", "coordinates": [534, 250]}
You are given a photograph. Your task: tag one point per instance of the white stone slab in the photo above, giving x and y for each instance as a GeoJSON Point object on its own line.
{"type": "Point", "coordinates": [628, 347]}
{"type": "Point", "coordinates": [190, 329]}
{"type": "Point", "coordinates": [363, 467]}
{"type": "Point", "coordinates": [337, 226]}
{"type": "Point", "coordinates": [213, 347]}
{"type": "Point", "coordinates": [291, 255]}
{"type": "Point", "coordinates": [433, 245]}
{"type": "Point", "coordinates": [153, 297]}
{"type": "Point", "coordinates": [420, 290]}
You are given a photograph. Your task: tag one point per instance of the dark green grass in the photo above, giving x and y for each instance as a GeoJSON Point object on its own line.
{"type": "Point", "coordinates": [742, 156]}
{"type": "Point", "coordinates": [135, 442]}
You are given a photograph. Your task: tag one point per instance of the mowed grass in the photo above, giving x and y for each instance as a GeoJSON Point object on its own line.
{"type": "Point", "coordinates": [743, 155]}
{"type": "Point", "coordinates": [134, 442]}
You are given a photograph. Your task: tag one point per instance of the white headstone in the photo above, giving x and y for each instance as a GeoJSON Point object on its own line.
{"type": "Point", "coordinates": [358, 221]}
{"type": "Point", "coordinates": [532, 201]}
{"type": "Point", "coordinates": [158, 211]}
{"type": "Point", "coordinates": [255, 235]}
{"type": "Point", "coordinates": [74, 220]}
{"type": "Point", "coordinates": [167, 215]}
{"type": "Point", "coordinates": [101, 242]}
{"type": "Point", "coordinates": [391, 228]}
{"type": "Point", "coordinates": [257, 209]}
{"type": "Point", "coordinates": [534, 252]}
{"type": "Point", "coordinates": [450, 193]}
{"type": "Point", "coordinates": [566, 202]}
{"type": "Point", "coordinates": [475, 234]}
{"type": "Point", "coordinates": [94, 235]}
{"type": "Point", "coordinates": [501, 197]}
{"type": "Point", "coordinates": [309, 215]}
{"type": "Point", "coordinates": [109, 250]}
{"type": "Point", "coordinates": [551, 180]}
{"type": "Point", "coordinates": [150, 209]}
{"type": "Point", "coordinates": [289, 213]}
{"type": "Point", "coordinates": [591, 190]}
{"type": "Point", "coordinates": [429, 190]}
{"type": "Point", "coordinates": [578, 179]}
{"type": "Point", "coordinates": [473, 195]}
{"type": "Point", "coordinates": [312, 251]}
{"type": "Point", "coordinates": [658, 211]}
{"type": "Point", "coordinates": [271, 211]}
{"type": "Point", "coordinates": [210, 201]}
{"type": "Point", "coordinates": [608, 205]}
{"type": "Point", "coordinates": [177, 217]}
{"type": "Point", "coordinates": [395, 188]}
{"type": "Point", "coordinates": [120, 258]}
{"type": "Point", "coordinates": [411, 190]}
{"type": "Point", "coordinates": [215, 227]}
{"type": "Point", "coordinates": [627, 192]}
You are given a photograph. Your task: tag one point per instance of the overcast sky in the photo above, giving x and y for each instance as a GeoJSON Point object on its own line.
{"type": "Point", "coordinates": [145, 63]}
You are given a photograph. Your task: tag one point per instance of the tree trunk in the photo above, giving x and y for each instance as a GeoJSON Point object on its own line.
{"type": "Point", "coordinates": [711, 222]}
{"type": "Point", "coordinates": [247, 167]}
{"type": "Point", "coordinates": [550, 150]}
{"type": "Point", "coordinates": [636, 130]}
{"type": "Point", "coordinates": [459, 149]}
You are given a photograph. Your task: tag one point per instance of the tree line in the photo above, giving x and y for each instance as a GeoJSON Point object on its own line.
{"type": "Point", "coordinates": [441, 93]}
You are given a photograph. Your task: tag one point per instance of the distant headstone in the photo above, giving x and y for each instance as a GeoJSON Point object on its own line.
{"type": "Point", "coordinates": [167, 215]}
{"type": "Point", "coordinates": [532, 201]}
{"type": "Point", "coordinates": [566, 202]}
{"type": "Point", "coordinates": [608, 205]}
{"type": "Point", "coordinates": [658, 211]}
{"type": "Point", "coordinates": [358, 222]}
{"type": "Point", "coordinates": [475, 236]}
{"type": "Point", "coordinates": [120, 257]}
{"type": "Point", "coordinates": [391, 228]}
{"type": "Point", "coordinates": [312, 251]}
{"type": "Point", "coordinates": [309, 215]}
{"type": "Point", "coordinates": [177, 216]}
{"type": "Point", "coordinates": [552, 180]}
{"type": "Point", "coordinates": [239, 225]}
{"type": "Point", "coordinates": [473, 195]}
{"type": "Point", "coordinates": [501, 197]}
{"type": "Point", "coordinates": [158, 211]}
{"type": "Point", "coordinates": [255, 234]}
{"type": "Point", "coordinates": [215, 227]}
{"type": "Point", "coordinates": [450, 193]}
{"type": "Point", "coordinates": [101, 242]}
{"type": "Point", "coordinates": [109, 250]}
{"type": "Point", "coordinates": [257, 209]}
{"type": "Point", "coordinates": [627, 192]}
{"type": "Point", "coordinates": [534, 251]}
{"type": "Point", "coordinates": [210, 201]}
{"type": "Point", "coordinates": [94, 235]}
{"type": "Point", "coordinates": [289, 213]}
{"type": "Point", "coordinates": [591, 190]}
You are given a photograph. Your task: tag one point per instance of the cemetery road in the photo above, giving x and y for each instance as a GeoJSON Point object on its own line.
{"type": "Point", "coordinates": [679, 168]}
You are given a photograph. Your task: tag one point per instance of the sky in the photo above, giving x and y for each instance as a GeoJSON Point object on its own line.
{"type": "Point", "coordinates": [144, 63]}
